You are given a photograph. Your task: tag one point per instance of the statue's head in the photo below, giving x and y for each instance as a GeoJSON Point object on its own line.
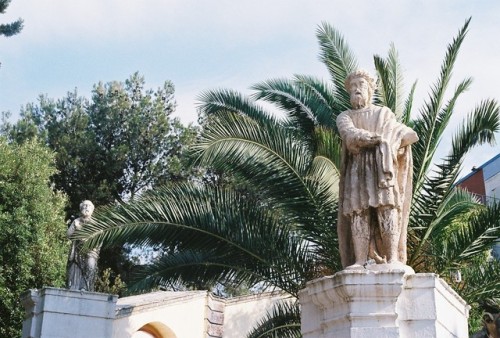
{"type": "Point", "coordinates": [360, 86]}
{"type": "Point", "coordinates": [86, 208]}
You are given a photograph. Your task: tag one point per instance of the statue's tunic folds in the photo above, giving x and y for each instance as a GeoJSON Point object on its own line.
{"type": "Point", "coordinates": [81, 267]}
{"type": "Point", "coordinates": [373, 177]}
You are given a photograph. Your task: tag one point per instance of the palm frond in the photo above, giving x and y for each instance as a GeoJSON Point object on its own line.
{"type": "Point", "coordinates": [338, 58]}
{"type": "Point", "coordinates": [480, 282]}
{"type": "Point", "coordinates": [321, 96]}
{"type": "Point", "coordinates": [325, 175]}
{"type": "Point", "coordinates": [329, 146]}
{"type": "Point", "coordinates": [406, 117]}
{"type": "Point", "coordinates": [479, 236]}
{"type": "Point", "coordinates": [468, 229]}
{"type": "Point", "coordinates": [479, 128]}
{"type": "Point", "coordinates": [323, 180]}
{"type": "Point", "coordinates": [225, 100]}
{"type": "Point", "coordinates": [282, 322]}
{"type": "Point", "coordinates": [391, 81]}
{"type": "Point", "coordinates": [430, 125]}
{"type": "Point", "coordinates": [433, 189]}
{"type": "Point", "coordinates": [186, 266]}
{"type": "Point", "coordinates": [273, 160]}
{"type": "Point", "coordinates": [433, 239]}
{"type": "Point", "coordinates": [227, 132]}
{"type": "Point", "coordinates": [197, 267]}
{"type": "Point", "coordinates": [291, 99]}
{"type": "Point", "coordinates": [219, 232]}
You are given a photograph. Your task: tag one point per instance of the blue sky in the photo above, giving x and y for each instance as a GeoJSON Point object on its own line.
{"type": "Point", "coordinates": [204, 44]}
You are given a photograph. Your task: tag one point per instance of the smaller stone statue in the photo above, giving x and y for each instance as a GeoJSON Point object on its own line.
{"type": "Point", "coordinates": [81, 269]}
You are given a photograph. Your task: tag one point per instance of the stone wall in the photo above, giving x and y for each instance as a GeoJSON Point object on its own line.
{"type": "Point", "coordinates": [60, 313]}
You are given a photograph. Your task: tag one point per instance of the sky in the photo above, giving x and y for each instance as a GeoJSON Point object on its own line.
{"type": "Point", "coordinates": [207, 44]}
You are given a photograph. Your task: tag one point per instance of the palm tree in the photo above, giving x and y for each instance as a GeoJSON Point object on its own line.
{"type": "Point", "coordinates": [277, 225]}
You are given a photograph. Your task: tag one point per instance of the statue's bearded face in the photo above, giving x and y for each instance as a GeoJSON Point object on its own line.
{"type": "Point", "coordinates": [360, 93]}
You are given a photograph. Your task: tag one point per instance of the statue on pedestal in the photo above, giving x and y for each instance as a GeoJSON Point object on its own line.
{"type": "Point", "coordinates": [81, 269]}
{"type": "Point", "coordinates": [375, 180]}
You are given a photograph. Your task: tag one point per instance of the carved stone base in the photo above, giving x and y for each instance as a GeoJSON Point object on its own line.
{"type": "Point", "coordinates": [363, 303]}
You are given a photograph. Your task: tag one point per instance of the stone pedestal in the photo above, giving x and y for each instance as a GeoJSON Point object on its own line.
{"type": "Point", "coordinates": [363, 303]}
{"type": "Point", "coordinates": [53, 312]}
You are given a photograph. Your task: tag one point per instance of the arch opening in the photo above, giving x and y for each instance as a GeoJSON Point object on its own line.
{"type": "Point", "coordinates": [154, 330]}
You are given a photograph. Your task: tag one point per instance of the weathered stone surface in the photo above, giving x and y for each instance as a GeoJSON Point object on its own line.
{"type": "Point", "coordinates": [62, 313]}
{"type": "Point", "coordinates": [215, 317]}
{"type": "Point", "coordinates": [375, 179]}
{"type": "Point", "coordinates": [53, 312]}
{"type": "Point", "coordinates": [429, 307]}
{"type": "Point", "coordinates": [361, 303]}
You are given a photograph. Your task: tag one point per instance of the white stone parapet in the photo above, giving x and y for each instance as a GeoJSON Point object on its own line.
{"type": "Point", "coordinates": [380, 304]}
{"type": "Point", "coordinates": [77, 314]}
{"type": "Point", "coordinates": [429, 307]}
{"type": "Point", "coordinates": [62, 313]}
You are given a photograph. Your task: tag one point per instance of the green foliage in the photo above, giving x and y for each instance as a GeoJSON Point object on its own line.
{"type": "Point", "coordinates": [481, 292]}
{"type": "Point", "coordinates": [113, 146]}
{"type": "Point", "coordinates": [218, 233]}
{"type": "Point", "coordinates": [120, 142]}
{"type": "Point", "coordinates": [33, 245]}
{"type": "Point", "coordinates": [281, 231]}
{"type": "Point", "coordinates": [12, 28]}
{"type": "Point", "coordinates": [283, 321]}
{"type": "Point", "coordinates": [105, 283]}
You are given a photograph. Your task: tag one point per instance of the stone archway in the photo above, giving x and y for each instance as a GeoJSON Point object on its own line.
{"type": "Point", "coordinates": [154, 330]}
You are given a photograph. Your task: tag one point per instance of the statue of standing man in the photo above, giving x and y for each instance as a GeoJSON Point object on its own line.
{"type": "Point", "coordinates": [81, 270]}
{"type": "Point", "coordinates": [375, 180]}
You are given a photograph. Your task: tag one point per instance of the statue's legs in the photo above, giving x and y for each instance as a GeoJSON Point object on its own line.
{"type": "Point", "coordinates": [91, 270]}
{"type": "Point", "coordinates": [360, 223]}
{"type": "Point", "coordinates": [390, 232]}
{"type": "Point", "coordinates": [74, 276]}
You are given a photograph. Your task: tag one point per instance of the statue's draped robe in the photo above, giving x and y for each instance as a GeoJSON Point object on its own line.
{"type": "Point", "coordinates": [81, 267]}
{"type": "Point", "coordinates": [373, 177]}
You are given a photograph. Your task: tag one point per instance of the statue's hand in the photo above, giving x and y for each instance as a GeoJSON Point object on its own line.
{"type": "Point", "coordinates": [374, 140]}
{"type": "Point", "coordinates": [377, 139]}
{"type": "Point", "coordinates": [409, 138]}
{"type": "Point", "coordinates": [364, 140]}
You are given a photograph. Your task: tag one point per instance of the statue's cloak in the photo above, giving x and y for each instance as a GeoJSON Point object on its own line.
{"type": "Point", "coordinates": [373, 177]}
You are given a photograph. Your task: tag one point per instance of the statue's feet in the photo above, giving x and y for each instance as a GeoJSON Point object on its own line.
{"type": "Point", "coordinates": [392, 265]}
{"type": "Point", "coordinates": [355, 266]}
{"type": "Point", "coordinates": [378, 259]}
